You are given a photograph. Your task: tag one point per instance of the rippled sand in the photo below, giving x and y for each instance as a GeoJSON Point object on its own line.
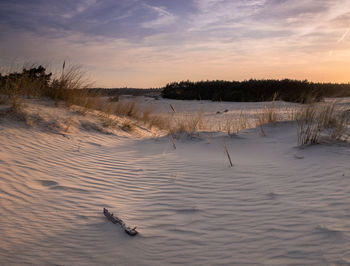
{"type": "Point", "coordinates": [278, 205]}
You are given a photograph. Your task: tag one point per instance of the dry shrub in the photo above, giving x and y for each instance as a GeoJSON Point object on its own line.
{"type": "Point", "coordinates": [70, 86]}
{"type": "Point", "coordinates": [315, 119]}
{"type": "Point", "coordinates": [32, 82]}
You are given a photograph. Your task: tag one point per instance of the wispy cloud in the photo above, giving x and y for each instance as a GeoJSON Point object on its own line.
{"type": "Point", "coordinates": [79, 9]}
{"type": "Point", "coordinates": [163, 18]}
{"type": "Point", "coordinates": [343, 36]}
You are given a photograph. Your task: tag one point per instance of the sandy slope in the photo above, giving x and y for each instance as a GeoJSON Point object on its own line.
{"type": "Point", "coordinates": [278, 205]}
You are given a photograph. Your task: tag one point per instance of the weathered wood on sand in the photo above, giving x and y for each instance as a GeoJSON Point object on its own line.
{"type": "Point", "coordinates": [116, 220]}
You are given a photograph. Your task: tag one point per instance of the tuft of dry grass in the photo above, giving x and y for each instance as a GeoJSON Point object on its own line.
{"type": "Point", "coordinates": [187, 124]}
{"type": "Point", "coordinates": [109, 122]}
{"type": "Point", "coordinates": [71, 87]}
{"type": "Point", "coordinates": [146, 114]}
{"type": "Point", "coordinates": [233, 125]}
{"type": "Point", "coordinates": [68, 122]}
{"type": "Point", "coordinates": [87, 103]}
{"type": "Point", "coordinates": [159, 121]}
{"type": "Point", "coordinates": [315, 119]}
{"type": "Point", "coordinates": [17, 111]}
{"type": "Point", "coordinates": [87, 125]}
{"type": "Point", "coordinates": [127, 126]}
{"type": "Point", "coordinates": [106, 115]}
{"type": "Point", "coordinates": [268, 115]}
{"type": "Point", "coordinates": [16, 103]}
{"type": "Point", "coordinates": [127, 108]}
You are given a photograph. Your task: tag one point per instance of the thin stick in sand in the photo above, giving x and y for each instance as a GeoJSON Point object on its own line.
{"type": "Point", "coordinates": [172, 108]}
{"type": "Point", "coordinates": [172, 140]}
{"type": "Point", "coordinates": [262, 131]}
{"type": "Point", "coordinates": [228, 155]}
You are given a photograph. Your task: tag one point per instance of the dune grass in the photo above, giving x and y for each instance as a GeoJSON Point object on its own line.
{"type": "Point", "coordinates": [315, 120]}
{"type": "Point", "coordinates": [69, 87]}
{"type": "Point", "coordinates": [187, 124]}
{"type": "Point", "coordinates": [232, 124]}
{"type": "Point", "coordinates": [269, 114]}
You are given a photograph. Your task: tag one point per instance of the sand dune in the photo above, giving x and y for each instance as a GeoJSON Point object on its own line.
{"type": "Point", "coordinates": [280, 204]}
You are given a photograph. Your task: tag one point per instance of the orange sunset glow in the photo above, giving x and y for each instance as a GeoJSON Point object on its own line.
{"type": "Point", "coordinates": [150, 43]}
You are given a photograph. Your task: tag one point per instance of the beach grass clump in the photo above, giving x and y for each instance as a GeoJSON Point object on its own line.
{"type": "Point", "coordinates": [159, 121]}
{"type": "Point", "coordinates": [232, 124]}
{"type": "Point", "coordinates": [71, 88]}
{"type": "Point", "coordinates": [269, 113]}
{"type": "Point", "coordinates": [146, 114]}
{"type": "Point", "coordinates": [131, 109]}
{"type": "Point", "coordinates": [153, 120]}
{"type": "Point", "coordinates": [108, 119]}
{"type": "Point", "coordinates": [109, 122]}
{"type": "Point", "coordinates": [128, 108]}
{"type": "Point", "coordinates": [315, 120]}
{"type": "Point", "coordinates": [187, 124]}
{"type": "Point", "coordinates": [18, 111]}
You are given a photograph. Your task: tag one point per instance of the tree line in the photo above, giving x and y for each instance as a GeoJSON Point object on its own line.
{"type": "Point", "coordinates": [254, 90]}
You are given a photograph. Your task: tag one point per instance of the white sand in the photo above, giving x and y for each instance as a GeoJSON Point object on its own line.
{"type": "Point", "coordinates": [278, 205]}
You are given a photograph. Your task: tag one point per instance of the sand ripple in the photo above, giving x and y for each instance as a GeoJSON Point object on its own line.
{"type": "Point", "coordinates": [187, 211]}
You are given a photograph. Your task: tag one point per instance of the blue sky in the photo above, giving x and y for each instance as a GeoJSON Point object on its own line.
{"type": "Point", "coordinates": [147, 43]}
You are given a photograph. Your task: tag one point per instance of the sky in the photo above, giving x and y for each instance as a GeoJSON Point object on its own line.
{"type": "Point", "coordinates": [148, 43]}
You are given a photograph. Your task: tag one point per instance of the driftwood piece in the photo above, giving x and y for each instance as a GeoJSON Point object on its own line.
{"type": "Point", "coordinates": [116, 220]}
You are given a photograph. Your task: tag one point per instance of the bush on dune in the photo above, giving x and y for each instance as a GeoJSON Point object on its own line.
{"type": "Point", "coordinates": [31, 82]}
{"type": "Point", "coordinates": [35, 82]}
